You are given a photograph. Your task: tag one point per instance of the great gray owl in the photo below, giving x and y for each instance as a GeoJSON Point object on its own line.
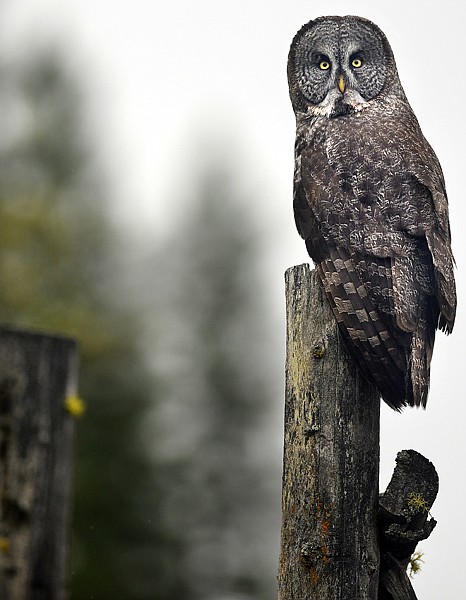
{"type": "Point", "coordinates": [370, 201]}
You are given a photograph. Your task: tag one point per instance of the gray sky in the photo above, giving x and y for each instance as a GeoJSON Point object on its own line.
{"type": "Point", "coordinates": [166, 80]}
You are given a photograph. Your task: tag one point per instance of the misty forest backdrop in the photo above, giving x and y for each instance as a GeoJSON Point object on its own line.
{"type": "Point", "coordinates": [177, 493]}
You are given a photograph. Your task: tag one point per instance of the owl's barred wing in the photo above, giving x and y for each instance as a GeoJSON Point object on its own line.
{"type": "Point", "coordinates": [381, 357]}
{"type": "Point", "coordinates": [397, 361]}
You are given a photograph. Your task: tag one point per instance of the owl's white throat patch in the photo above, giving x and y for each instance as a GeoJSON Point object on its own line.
{"type": "Point", "coordinates": [336, 104]}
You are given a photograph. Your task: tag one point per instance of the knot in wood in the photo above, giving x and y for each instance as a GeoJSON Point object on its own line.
{"type": "Point", "coordinates": [307, 554]}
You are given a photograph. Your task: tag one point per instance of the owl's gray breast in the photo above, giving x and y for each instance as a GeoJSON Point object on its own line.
{"type": "Point", "coordinates": [359, 185]}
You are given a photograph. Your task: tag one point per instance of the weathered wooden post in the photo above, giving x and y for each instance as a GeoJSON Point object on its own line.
{"type": "Point", "coordinates": [329, 545]}
{"type": "Point", "coordinates": [37, 374]}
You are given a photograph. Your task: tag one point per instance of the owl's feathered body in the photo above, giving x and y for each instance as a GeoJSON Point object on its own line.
{"type": "Point", "coordinates": [370, 201]}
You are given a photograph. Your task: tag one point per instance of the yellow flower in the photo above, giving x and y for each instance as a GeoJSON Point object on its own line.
{"type": "Point", "coordinates": [4, 545]}
{"type": "Point", "coordinates": [75, 406]}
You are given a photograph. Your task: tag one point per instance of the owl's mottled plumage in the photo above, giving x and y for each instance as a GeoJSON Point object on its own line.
{"type": "Point", "coordinates": [370, 201]}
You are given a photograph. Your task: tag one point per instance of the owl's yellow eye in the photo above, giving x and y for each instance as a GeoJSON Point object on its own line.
{"type": "Point", "coordinates": [356, 63]}
{"type": "Point", "coordinates": [324, 65]}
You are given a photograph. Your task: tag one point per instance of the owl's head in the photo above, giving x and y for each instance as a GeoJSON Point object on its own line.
{"type": "Point", "coordinates": [339, 64]}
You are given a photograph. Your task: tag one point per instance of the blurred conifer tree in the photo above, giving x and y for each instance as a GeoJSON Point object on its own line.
{"type": "Point", "coordinates": [214, 360]}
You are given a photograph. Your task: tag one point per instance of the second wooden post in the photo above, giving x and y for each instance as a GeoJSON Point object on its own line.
{"type": "Point", "coordinates": [38, 373]}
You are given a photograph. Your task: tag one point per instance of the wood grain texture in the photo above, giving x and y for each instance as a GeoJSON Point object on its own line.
{"type": "Point", "coordinates": [37, 373]}
{"type": "Point", "coordinates": [329, 546]}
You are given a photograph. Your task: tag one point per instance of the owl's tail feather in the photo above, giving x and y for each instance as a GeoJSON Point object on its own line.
{"type": "Point", "coordinates": [381, 357]}
{"type": "Point", "coordinates": [422, 346]}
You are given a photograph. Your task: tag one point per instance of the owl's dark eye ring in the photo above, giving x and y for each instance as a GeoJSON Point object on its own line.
{"type": "Point", "coordinates": [356, 62]}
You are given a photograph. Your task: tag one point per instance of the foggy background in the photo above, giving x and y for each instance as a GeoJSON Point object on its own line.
{"type": "Point", "coordinates": [146, 159]}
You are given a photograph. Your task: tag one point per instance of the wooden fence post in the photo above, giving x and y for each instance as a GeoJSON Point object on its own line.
{"type": "Point", "coordinates": [329, 546]}
{"type": "Point", "coordinates": [37, 373]}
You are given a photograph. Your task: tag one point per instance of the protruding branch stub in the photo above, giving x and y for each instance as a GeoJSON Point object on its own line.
{"type": "Point", "coordinates": [404, 521]}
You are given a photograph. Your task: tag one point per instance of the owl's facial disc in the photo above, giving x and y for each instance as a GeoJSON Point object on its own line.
{"type": "Point", "coordinates": [340, 65]}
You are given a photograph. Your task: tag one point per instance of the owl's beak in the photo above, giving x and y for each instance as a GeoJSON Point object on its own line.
{"type": "Point", "coordinates": [341, 84]}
